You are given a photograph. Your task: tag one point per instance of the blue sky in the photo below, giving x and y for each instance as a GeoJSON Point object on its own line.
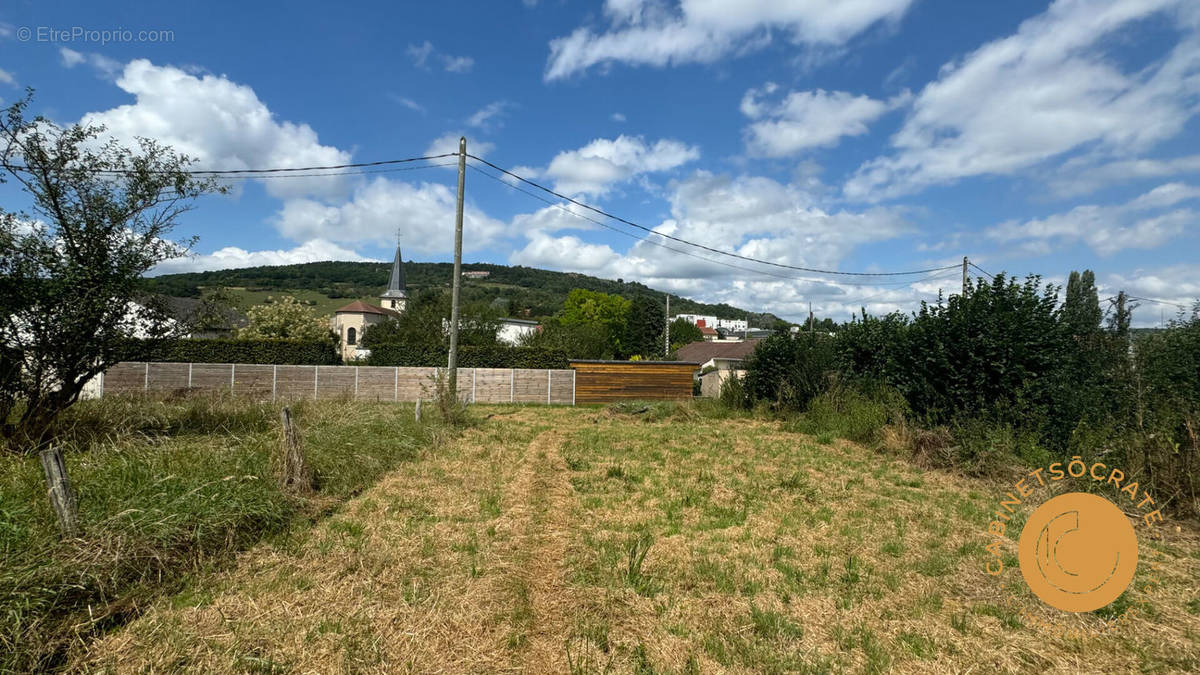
{"type": "Point", "coordinates": [863, 135]}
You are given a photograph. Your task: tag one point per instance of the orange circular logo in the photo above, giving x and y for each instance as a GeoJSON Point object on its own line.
{"type": "Point", "coordinates": [1078, 552]}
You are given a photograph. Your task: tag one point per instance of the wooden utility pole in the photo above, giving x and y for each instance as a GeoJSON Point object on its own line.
{"type": "Point", "coordinates": [62, 498]}
{"type": "Point", "coordinates": [810, 319]}
{"type": "Point", "coordinates": [964, 282]}
{"type": "Point", "coordinates": [452, 363]}
{"type": "Point", "coordinates": [667, 332]}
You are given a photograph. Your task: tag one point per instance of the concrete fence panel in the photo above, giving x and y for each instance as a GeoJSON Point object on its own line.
{"type": "Point", "coordinates": [369, 383]}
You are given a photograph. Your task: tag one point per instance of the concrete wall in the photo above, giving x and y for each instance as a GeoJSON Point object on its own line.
{"type": "Point", "coordinates": [711, 382]}
{"type": "Point", "coordinates": [475, 385]}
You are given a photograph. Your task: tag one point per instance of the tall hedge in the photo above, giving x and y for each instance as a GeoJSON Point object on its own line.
{"type": "Point", "coordinates": [222, 350]}
{"type": "Point", "coordinates": [497, 356]}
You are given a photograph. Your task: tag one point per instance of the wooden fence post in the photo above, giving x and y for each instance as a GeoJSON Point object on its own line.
{"type": "Point", "coordinates": [62, 498]}
{"type": "Point", "coordinates": [296, 477]}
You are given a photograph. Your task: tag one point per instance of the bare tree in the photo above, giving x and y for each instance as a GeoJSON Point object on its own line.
{"type": "Point", "coordinates": [71, 267]}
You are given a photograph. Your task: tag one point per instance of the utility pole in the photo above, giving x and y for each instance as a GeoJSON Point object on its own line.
{"type": "Point", "coordinates": [452, 365]}
{"type": "Point", "coordinates": [667, 332]}
{"type": "Point", "coordinates": [810, 319]}
{"type": "Point", "coordinates": [964, 284]}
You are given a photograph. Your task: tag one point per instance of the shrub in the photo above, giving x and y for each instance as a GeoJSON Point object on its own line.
{"type": "Point", "coordinates": [857, 413]}
{"type": "Point", "coordinates": [789, 371]}
{"type": "Point", "coordinates": [220, 350]}
{"type": "Point", "coordinates": [499, 356]}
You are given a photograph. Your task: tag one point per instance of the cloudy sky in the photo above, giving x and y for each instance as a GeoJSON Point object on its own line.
{"type": "Point", "coordinates": [856, 135]}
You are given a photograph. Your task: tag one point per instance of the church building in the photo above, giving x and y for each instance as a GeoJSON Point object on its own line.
{"type": "Point", "coordinates": [349, 322]}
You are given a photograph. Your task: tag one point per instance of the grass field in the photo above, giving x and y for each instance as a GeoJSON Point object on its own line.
{"type": "Point", "coordinates": [168, 490]}
{"type": "Point", "coordinates": [587, 540]}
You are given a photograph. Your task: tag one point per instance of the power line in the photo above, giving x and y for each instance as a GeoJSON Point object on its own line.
{"type": "Point", "coordinates": [219, 172]}
{"type": "Point", "coordinates": [1158, 302]}
{"type": "Point", "coordinates": [985, 272]}
{"type": "Point", "coordinates": [689, 253]}
{"type": "Point", "coordinates": [702, 246]}
{"type": "Point", "coordinates": [336, 173]}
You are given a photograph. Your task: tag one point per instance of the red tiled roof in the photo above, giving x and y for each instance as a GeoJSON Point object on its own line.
{"type": "Point", "coordinates": [701, 352]}
{"type": "Point", "coordinates": [705, 330]}
{"type": "Point", "coordinates": [360, 307]}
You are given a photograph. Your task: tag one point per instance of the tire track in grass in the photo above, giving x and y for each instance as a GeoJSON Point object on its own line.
{"type": "Point", "coordinates": [540, 519]}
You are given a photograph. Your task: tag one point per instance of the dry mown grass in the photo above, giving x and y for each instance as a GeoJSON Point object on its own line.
{"type": "Point", "coordinates": [569, 540]}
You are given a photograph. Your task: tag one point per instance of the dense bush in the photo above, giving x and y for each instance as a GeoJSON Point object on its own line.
{"type": "Point", "coordinates": [498, 356]}
{"type": "Point", "coordinates": [220, 350]}
{"type": "Point", "coordinates": [789, 371]}
{"type": "Point", "coordinates": [1013, 375]}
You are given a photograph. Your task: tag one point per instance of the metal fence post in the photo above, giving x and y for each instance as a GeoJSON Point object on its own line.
{"type": "Point", "coordinates": [396, 383]}
{"type": "Point", "coordinates": [146, 378]}
{"type": "Point", "coordinates": [549, 374]}
{"type": "Point", "coordinates": [274, 381]}
{"type": "Point", "coordinates": [316, 378]}
{"type": "Point", "coordinates": [573, 374]}
{"type": "Point", "coordinates": [473, 385]}
{"type": "Point", "coordinates": [356, 383]}
{"type": "Point", "coordinates": [232, 375]}
{"type": "Point", "coordinates": [189, 376]}
{"type": "Point", "coordinates": [512, 385]}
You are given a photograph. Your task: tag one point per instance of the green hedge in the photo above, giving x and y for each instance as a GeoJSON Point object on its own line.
{"type": "Point", "coordinates": [221, 350]}
{"type": "Point", "coordinates": [469, 357]}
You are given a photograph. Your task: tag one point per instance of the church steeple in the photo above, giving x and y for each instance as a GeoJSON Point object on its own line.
{"type": "Point", "coordinates": [396, 296]}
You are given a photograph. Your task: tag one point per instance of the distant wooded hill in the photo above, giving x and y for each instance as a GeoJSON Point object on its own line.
{"type": "Point", "coordinates": [518, 288]}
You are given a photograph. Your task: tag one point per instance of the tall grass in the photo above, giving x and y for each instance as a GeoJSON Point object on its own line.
{"type": "Point", "coordinates": [167, 487]}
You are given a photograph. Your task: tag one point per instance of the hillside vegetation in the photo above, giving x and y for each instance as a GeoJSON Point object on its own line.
{"type": "Point", "coordinates": [331, 284]}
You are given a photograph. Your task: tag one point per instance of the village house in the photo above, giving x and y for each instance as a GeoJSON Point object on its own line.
{"type": "Point", "coordinates": [722, 360]}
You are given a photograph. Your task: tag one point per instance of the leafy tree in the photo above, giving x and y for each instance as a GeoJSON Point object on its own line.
{"type": "Point", "coordinates": [606, 314]}
{"type": "Point", "coordinates": [286, 319]}
{"type": "Point", "coordinates": [216, 311]}
{"type": "Point", "coordinates": [1081, 304]}
{"type": "Point", "coordinates": [644, 330]}
{"type": "Point", "coordinates": [577, 342]}
{"type": "Point", "coordinates": [1122, 315]}
{"type": "Point", "coordinates": [684, 332]}
{"type": "Point", "coordinates": [71, 289]}
{"type": "Point", "coordinates": [426, 320]}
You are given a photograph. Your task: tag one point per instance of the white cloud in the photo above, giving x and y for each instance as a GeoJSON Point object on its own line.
{"type": "Point", "coordinates": [618, 117]}
{"type": "Point", "coordinates": [220, 123]}
{"type": "Point", "coordinates": [459, 64]}
{"type": "Point", "coordinates": [803, 120]}
{"type": "Point", "coordinates": [407, 103]}
{"type": "Point", "coordinates": [488, 116]}
{"type": "Point", "coordinates": [6, 77]}
{"type": "Point", "coordinates": [649, 32]}
{"type": "Point", "coordinates": [232, 257]}
{"type": "Point", "coordinates": [1083, 175]}
{"type": "Point", "coordinates": [1107, 229]}
{"type": "Point", "coordinates": [595, 167]}
{"type": "Point", "coordinates": [1178, 285]}
{"type": "Point", "coordinates": [420, 54]}
{"type": "Point", "coordinates": [1048, 89]}
{"type": "Point", "coordinates": [425, 52]}
{"type": "Point", "coordinates": [448, 142]}
{"type": "Point", "coordinates": [423, 213]}
{"type": "Point", "coordinates": [105, 66]}
{"type": "Point", "coordinates": [749, 215]}
{"type": "Point", "coordinates": [70, 57]}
